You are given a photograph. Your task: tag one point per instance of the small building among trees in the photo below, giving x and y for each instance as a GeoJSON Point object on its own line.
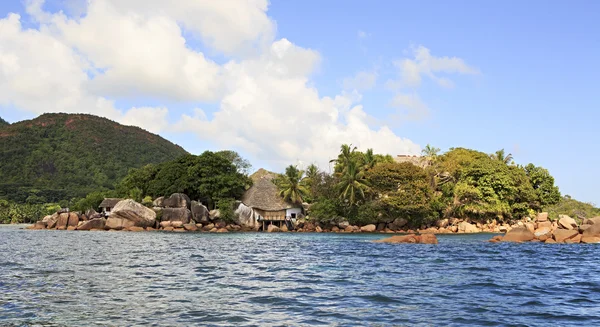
{"type": "Point", "coordinates": [108, 204]}
{"type": "Point", "coordinates": [263, 197]}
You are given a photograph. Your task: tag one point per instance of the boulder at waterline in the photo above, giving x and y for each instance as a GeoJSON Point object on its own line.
{"type": "Point", "coordinates": [190, 227]}
{"type": "Point", "coordinates": [96, 223]}
{"type": "Point", "coordinates": [590, 239]}
{"type": "Point", "coordinates": [63, 220]}
{"type": "Point", "coordinates": [177, 224]}
{"type": "Point", "coordinates": [466, 227]}
{"type": "Point", "coordinates": [118, 223]}
{"type": "Point", "coordinates": [368, 228]}
{"type": "Point", "coordinates": [412, 238]}
{"type": "Point", "coordinates": [177, 200]}
{"type": "Point", "coordinates": [272, 229]}
{"type": "Point", "coordinates": [176, 214]}
{"type": "Point", "coordinates": [200, 213]}
{"type": "Point", "coordinates": [566, 222]}
{"type": "Point", "coordinates": [561, 235]}
{"type": "Point", "coordinates": [73, 219]}
{"type": "Point", "coordinates": [134, 212]}
{"type": "Point", "coordinates": [518, 234]}
{"type": "Point", "coordinates": [398, 223]}
{"type": "Point", "coordinates": [592, 231]}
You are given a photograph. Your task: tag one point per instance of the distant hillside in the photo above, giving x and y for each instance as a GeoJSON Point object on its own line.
{"type": "Point", "coordinates": [62, 156]}
{"type": "Point", "coordinates": [3, 122]}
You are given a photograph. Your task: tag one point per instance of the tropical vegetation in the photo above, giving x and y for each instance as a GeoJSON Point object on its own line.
{"type": "Point", "coordinates": [63, 156]}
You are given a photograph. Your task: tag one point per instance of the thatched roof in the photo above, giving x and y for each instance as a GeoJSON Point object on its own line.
{"type": "Point", "coordinates": [264, 195]}
{"type": "Point", "coordinates": [109, 203]}
{"type": "Point", "coordinates": [262, 173]}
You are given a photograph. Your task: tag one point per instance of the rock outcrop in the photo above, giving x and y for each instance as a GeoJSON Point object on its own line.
{"type": "Point", "coordinates": [521, 234]}
{"type": "Point", "coordinates": [176, 214]}
{"type": "Point", "coordinates": [96, 223]}
{"type": "Point", "coordinates": [129, 213]}
{"type": "Point", "coordinates": [412, 238]}
{"type": "Point", "coordinates": [200, 213]}
{"type": "Point", "coordinates": [177, 200]}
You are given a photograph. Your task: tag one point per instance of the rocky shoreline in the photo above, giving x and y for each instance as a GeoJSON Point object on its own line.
{"type": "Point", "coordinates": [563, 230]}
{"type": "Point", "coordinates": [178, 214]}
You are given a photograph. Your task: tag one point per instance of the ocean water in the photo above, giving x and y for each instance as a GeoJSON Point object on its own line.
{"type": "Point", "coordinates": [61, 278]}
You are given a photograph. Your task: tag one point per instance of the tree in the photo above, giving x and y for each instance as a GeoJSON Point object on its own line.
{"type": "Point", "coordinates": [352, 185]}
{"type": "Point", "coordinates": [370, 160]}
{"type": "Point", "coordinates": [208, 177]}
{"type": "Point", "coordinates": [402, 190]}
{"type": "Point", "coordinates": [291, 186]}
{"type": "Point", "coordinates": [347, 154]}
{"type": "Point", "coordinates": [430, 153]}
{"type": "Point", "coordinates": [501, 156]}
{"type": "Point", "coordinates": [543, 184]}
{"type": "Point", "coordinates": [243, 165]}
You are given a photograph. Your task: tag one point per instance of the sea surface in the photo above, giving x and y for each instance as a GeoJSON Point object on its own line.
{"type": "Point", "coordinates": [61, 278]}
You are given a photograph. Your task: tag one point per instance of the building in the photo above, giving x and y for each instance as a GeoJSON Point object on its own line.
{"type": "Point", "coordinates": [108, 204]}
{"type": "Point", "coordinates": [269, 208]}
{"type": "Point", "coordinates": [415, 160]}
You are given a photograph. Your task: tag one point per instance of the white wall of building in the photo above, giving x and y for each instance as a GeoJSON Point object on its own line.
{"type": "Point", "coordinates": [289, 212]}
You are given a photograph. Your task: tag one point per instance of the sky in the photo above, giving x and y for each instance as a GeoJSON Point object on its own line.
{"type": "Point", "coordinates": [288, 81]}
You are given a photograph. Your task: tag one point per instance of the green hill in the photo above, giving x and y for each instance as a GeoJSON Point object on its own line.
{"type": "Point", "coordinates": [62, 156]}
{"type": "Point", "coordinates": [3, 122]}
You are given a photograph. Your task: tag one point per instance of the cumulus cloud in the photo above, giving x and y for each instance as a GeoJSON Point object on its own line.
{"type": "Point", "coordinates": [410, 107]}
{"type": "Point", "coordinates": [132, 49]}
{"type": "Point", "coordinates": [424, 64]}
{"type": "Point", "coordinates": [362, 81]}
{"type": "Point", "coordinates": [411, 72]}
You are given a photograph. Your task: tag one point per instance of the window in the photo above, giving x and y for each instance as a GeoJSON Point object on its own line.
{"type": "Point", "coordinates": [293, 215]}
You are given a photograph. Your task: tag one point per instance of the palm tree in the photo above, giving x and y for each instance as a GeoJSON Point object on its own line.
{"type": "Point", "coordinates": [345, 156]}
{"type": "Point", "coordinates": [291, 186]}
{"type": "Point", "coordinates": [500, 155]}
{"type": "Point", "coordinates": [430, 153]}
{"type": "Point", "coordinates": [370, 159]}
{"type": "Point", "coordinates": [352, 185]}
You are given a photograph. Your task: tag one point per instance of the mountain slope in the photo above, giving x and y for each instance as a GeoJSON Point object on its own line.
{"type": "Point", "coordinates": [3, 122]}
{"type": "Point", "coordinates": [61, 156]}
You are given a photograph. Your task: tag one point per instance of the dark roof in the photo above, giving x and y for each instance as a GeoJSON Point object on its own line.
{"type": "Point", "coordinates": [264, 195]}
{"type": "Point", "coordinates": [109, 203]}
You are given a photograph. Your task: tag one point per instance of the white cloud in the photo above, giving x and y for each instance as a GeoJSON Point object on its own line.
{"type": "Point", "coordinates": [411, 73]}
{"type": "Point", "coordinates": [279, 117]}
{"type": "Point", "coordinates": [410, 107]}
{"type": "Point", "coordinates": [267, 104]}
{"type": "Point", "coordinates": [364, 80]}
{"type": "Point", "coordinates": [424, 64]}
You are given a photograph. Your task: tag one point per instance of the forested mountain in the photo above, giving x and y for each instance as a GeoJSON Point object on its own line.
{"type": "Point", "coordinates": [3, 122]}
{"type": "Point", "coordinates": [62, 156]}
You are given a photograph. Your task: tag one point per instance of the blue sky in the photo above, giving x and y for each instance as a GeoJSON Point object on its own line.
{"type": "Point", "coordinates": [534, 93]}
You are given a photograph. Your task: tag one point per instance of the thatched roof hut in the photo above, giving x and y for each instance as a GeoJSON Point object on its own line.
{"type": "Point", "coordinates": [264, 195]}
{"type": "Point", "coordinates": [109, 203]}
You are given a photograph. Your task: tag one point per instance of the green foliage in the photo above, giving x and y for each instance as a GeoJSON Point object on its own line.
{"type": "Point", "coordinates": [367, 213]}
{"type": "Point", "coordinates": [208, 177]}
{"type": "Point", "coordinates": [91, 201]}
{"type": "Point", "coordinates": [325, 209]}
{"type": "Point", "coordinates": [573, 208]}
{"type": "Point", "coordinates": [225, 207]}
{"type": "Point", "coordinates": [3, 122]}
{"type": "Point", "coordinates": [501, 156]}
{"type": "Point", "coordinates": [543, 184]}
{"type": "Point", "coordinates": [476, 185]}
{"type": "Point", "coordinates": [63, 156]}
{"type": "Point", "coordinates": [243, 165]}
{"type": "Point", "coordinates": [14, 213]}
{"type": "Point", "coordinates": [291, 185]}
{"type": "Point", "coordinates": [352, 184]}
{"type": "Point", "coordinates": [403, 190]}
